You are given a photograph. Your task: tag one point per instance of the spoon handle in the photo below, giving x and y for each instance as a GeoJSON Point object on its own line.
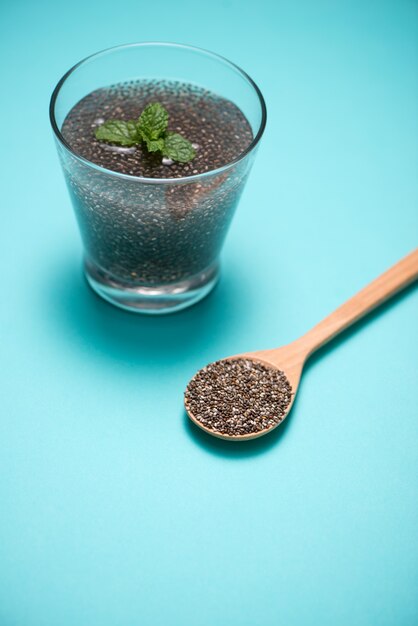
{"type": "Point", "coordinates": [382, 288]}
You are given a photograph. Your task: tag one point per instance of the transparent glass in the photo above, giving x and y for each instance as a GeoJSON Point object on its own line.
{"type": "Point", "coordinates": [152, 245]}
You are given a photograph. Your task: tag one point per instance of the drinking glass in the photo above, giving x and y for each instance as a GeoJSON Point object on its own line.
{"type": "Point", "coordinates": [152, 245]}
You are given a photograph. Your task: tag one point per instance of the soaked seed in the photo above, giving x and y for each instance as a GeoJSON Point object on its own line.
{"type": "Point", "coordinates": [216, 127]}
{"type": "Point", "coordinates": [155, 234]}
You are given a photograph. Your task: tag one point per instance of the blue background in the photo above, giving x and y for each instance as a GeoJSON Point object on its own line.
{"type": "Point", "coordinates": [114, 510]}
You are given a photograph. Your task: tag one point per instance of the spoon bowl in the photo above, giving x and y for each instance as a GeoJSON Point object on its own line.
{"type": "Point", "coordinates": [287, 360]}
{"type": "Point", "coordinates": [290, 359]}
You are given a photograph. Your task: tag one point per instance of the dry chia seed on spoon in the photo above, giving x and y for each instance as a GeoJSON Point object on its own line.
{"type": "Point", "coordinates": [238, 396]}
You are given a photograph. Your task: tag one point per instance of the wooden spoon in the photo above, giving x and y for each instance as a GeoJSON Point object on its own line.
{"type": "Point", "coordinates": [291, 358]}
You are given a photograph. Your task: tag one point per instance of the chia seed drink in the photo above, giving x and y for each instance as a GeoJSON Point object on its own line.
{"type": "Point", "coordinates": [152, 228]}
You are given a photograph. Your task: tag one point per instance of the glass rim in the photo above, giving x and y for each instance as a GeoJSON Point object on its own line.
{"type": "Point", "coordinates": [144, 179]}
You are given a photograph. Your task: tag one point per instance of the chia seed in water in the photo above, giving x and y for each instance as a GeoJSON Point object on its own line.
{"type": "Point", "coordinates": [238, 396]}
{"type": "Point", "coordinates": [151, 234]}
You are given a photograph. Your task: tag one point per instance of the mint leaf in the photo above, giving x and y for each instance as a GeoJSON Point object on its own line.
{"type": "Point", "coordinates": [178, 148]}
{"type": "Point", "coordinates": [119, 132]}
{"type": "Point", "coordinates": [152, 122]}
{"type": "Point", "coordinates": [154, 145]}
{"type": "Point", "coordinates": [150, 128]}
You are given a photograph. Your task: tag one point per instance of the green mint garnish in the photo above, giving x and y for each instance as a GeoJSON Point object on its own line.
{"type": "Point", "coordinates": [154, 145]}
{"type": "Point", "coordinates": [177, 148]}
{"type": "Point", "coordinates": [117, 131]}
{"type": "Point", "coordinates": [153, 122]}
{"type": "Point", "coordinates": [151, 129]}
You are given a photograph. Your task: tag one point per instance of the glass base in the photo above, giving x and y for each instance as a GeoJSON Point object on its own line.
{"type": "Point", "coordinates": [152, 300]}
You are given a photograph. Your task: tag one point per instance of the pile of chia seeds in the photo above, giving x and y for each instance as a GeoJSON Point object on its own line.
{"type": "Point", "coordinates": [139, 233]}
{"type": "Point", "coordinates": [238, 396]}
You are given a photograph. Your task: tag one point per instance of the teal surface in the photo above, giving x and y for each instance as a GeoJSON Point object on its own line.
{"type": "Point", "coordinates": [114, 510]}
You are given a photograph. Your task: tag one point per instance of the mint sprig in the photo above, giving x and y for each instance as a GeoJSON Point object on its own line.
{"type": "Point", "coordinates": [151, 129]}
